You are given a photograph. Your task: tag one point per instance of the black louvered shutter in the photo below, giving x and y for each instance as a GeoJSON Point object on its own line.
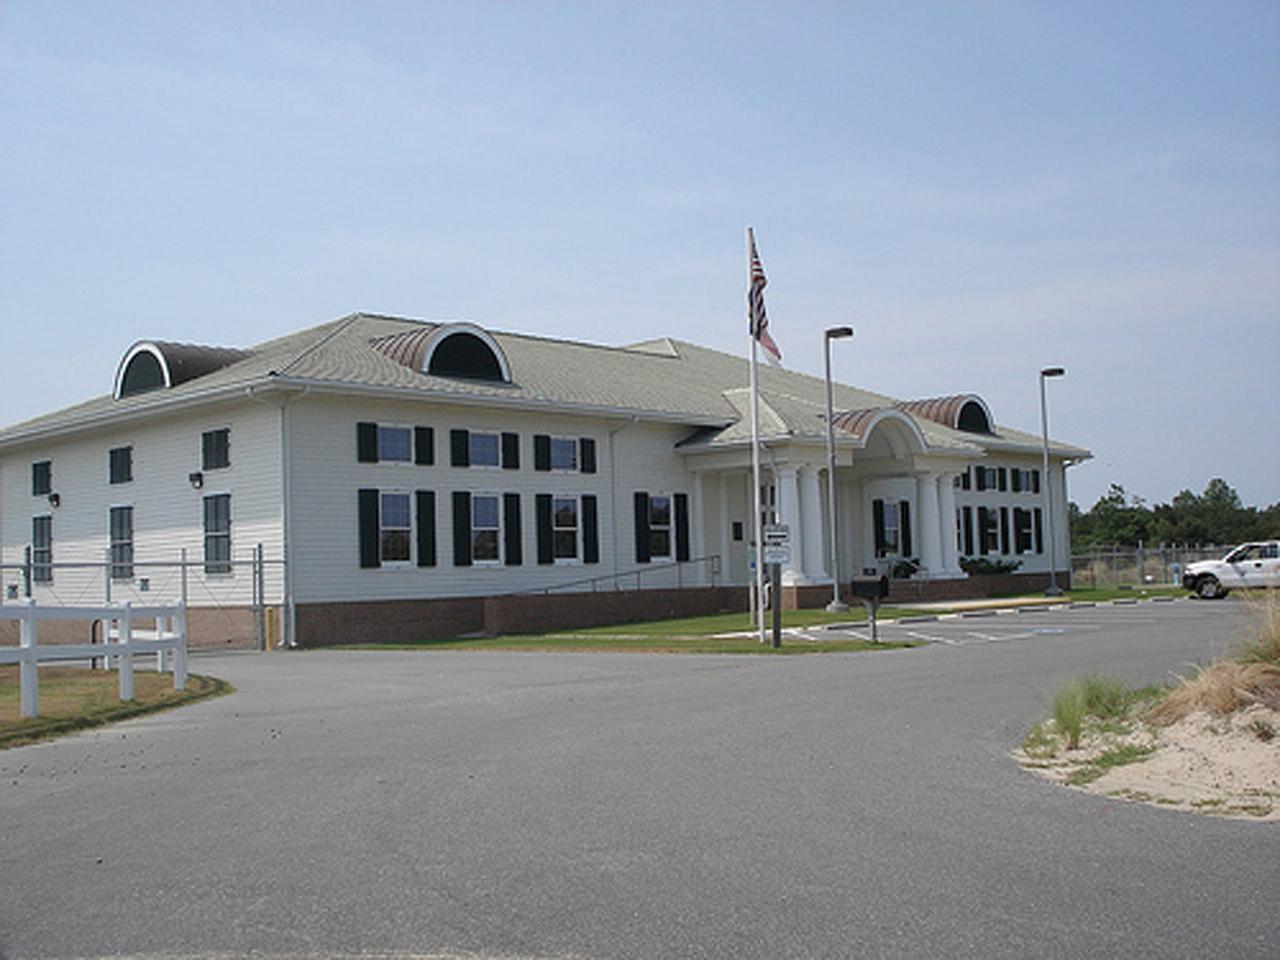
{"type": "Point", "coordinates": [426, 528]}
{"type": "Point", "coordinates": [460, 448]}
{"type": "Point", "coordinates": [682, 526]}
{"type": "Point", "coordinates": [980, 478]}
{"type": "Point", "coordinates": [461, 528]}
{"type": "Point", "coordinates": [587, 455]}
{"type": "Point", "coordinates": [590, 531]}
{"type": "Point", "coordinates": [1035, 481]}
{"type": "Point", "coordinates": [904, 520]}
{"type": "Point", "coordinates": [424, 446]}
{"type": "Point", "coordinates": [542, 517]}
{"type": "Point", "coordinates": [1039, 532]}
{"type": "Point", "coordinates": [1004, 529]}
{"type": "Point", "coordinates": [370, 555]}
{"type": "Point", "coordinates": [1016, 480]}
{"type": "Point", "coordinates": [642, 527]}
{"type": "Point", "coordinates": [1002, 479]}
{"type": "Point", "coordinates": [967, 514]}
{"type": "Point", "coordinates": [511, 451]}
{"type": "Point", "coordinates": [983, 519]}
{"type": "Point", "coordinates": [541, 452]}
{"type": "Point", "coordinates": [512, 541]}
{"type": "Point", "coordinates": [367, 442]}
{"type": "Point", "coordinates": [877, 521]}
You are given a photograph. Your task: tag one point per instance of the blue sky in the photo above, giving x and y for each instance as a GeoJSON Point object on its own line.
{"type": "Point", "coordinates": [980, 189]}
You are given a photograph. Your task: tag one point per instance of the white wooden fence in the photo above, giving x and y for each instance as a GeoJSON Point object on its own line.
{"type": "Point", "coordinates": [122, 640]}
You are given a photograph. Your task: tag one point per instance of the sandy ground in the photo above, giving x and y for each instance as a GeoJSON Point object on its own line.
{"type": "Point", "coordinates": [1225, 766]}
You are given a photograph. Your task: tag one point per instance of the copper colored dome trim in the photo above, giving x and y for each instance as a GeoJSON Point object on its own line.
{"type": "Point", "coordinates": [946, 410]}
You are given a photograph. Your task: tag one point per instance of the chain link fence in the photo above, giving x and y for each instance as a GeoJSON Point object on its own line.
{"type": "Point", "coordinates": [1116, 566]}
{"type": "Point", "coordinates": [234, 601]}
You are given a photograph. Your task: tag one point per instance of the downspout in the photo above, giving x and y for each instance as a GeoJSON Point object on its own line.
{"type": "Point", "coordinates": [288, 636]}
{"type": "Point", "coordinates": [613, 493]}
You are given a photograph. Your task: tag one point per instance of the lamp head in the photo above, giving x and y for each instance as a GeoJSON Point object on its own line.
{"type": "Point", "coordinates": [838, 333]}
{"type": "Point", "coordinates": [1053, 372]}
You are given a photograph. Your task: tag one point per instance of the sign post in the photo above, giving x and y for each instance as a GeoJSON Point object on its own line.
{"type": "Point", "coordinates": [776, 552]}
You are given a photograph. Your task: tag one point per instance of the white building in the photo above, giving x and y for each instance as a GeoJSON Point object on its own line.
{"type": "Point", "coordinates": [398, 473]}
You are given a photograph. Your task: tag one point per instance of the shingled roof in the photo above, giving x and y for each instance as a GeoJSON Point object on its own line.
{"type": "Point", "coordinates": [666, 379]}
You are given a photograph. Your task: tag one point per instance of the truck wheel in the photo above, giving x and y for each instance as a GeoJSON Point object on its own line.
{"type": "Point", "coordinates": [1208, 588]}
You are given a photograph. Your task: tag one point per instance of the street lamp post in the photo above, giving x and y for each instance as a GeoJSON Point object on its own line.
{"type": "Point", "coordinates": [836, 605]}
{"type": "Point", "coordinates": [1053, 589]}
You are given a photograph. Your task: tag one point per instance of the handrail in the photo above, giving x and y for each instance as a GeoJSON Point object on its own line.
{"type": "Point", "coordinates": [636, 572]}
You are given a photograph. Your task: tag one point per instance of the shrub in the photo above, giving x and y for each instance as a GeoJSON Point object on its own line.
{"type": "Point", "coordinates": [1104, 697]}
{"type": "Point", "coordinates": [1263, 643]}
{"type": "Point", "coordinates": [977, 566]}
{"type": "Point", "coordinates": [904, 568]}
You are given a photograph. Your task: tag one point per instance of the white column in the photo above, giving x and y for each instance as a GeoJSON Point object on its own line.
{"type": "Point", "coordinates": [811, 515]}
{"type": "Point", "coordinates": [928, 525]}
{"type": "Point", "coordinates": [723, 516]}
{"type": "Point", "coordinates": [789, 514]}
{"type": "Point", "coordinates": [848, 521]}
{"type": "Point", "coordinates": [947, 507]}
{"type": "Point", "coordinates": [699, 532]}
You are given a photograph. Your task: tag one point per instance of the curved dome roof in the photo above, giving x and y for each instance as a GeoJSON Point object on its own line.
{"type": "Point", "coordinates": [152, 364]}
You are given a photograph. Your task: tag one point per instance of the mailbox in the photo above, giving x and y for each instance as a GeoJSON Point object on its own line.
{"type": "Point", "coordinates": [869, 588]}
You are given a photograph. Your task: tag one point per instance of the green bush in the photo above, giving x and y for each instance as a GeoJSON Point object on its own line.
{"type": "Point", "coordinates": [1104, 697]}
{"type": "Point", "coordinates": [1068, 713]}
{"type": "Point", "coordinates": [976, 566]}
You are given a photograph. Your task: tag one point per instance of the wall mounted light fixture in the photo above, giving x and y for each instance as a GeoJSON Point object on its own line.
{"type": "Point", "coordinates": [197, 480]}
{"type": "Point", "coordinates": [55, 499]}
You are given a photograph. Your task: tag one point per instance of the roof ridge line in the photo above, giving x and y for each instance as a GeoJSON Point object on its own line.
{"type": "Point", "coordinates": [342, 324]}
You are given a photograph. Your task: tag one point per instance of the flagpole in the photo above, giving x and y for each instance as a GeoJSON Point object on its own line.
{"type": "Point", "coordinates": [755, 456]}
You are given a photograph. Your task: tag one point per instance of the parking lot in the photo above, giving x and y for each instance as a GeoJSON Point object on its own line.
{"type": "Point", "coordinates": [629, 806]}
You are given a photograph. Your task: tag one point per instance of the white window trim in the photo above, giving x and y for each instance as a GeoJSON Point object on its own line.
{"type": "Point", "coordinates": [670, 527]}
{"type": "Point", "coordinates": [576, 559]}
{"type": "Point", "coordinates": [230, 573]}
{"type": "Point", "coordinates": [396, 564]}
{"type": "Point", "coordinates": [496, 562]}
{"type": "Point", "coordinates": [133, 541]}
{"type": "Point", "coordinates": [378, 428]}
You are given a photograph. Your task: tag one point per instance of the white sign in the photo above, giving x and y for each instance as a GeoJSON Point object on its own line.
{"type": "Point", "coordinates": [777, 553]}
{"type": "Point", "coordinates": [777, 534]}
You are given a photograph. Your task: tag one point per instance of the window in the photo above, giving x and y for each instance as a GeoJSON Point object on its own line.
{"type": "Point", "coordinates": [891, 528]}
{"type": "Point", "coordinates": [394, 529]}
{"type": "Point", "coordinates": [121, 536]}
{"type": "Point", "coordinates": [377, 442]}
{"type": "Point", "coordinates": [395, 444]}
{"type": "Point", "coordinates": [1025, 481]}
{"type": "Point", "coordinates": [988, 530]}
{"type": "Point", "coordinates": [985, 478]}
{"type": "Point", "coordinates": [564, 454]}
{"type": "Point", "coordinates": [215, 449]}
{"type": "Point", "coordinates": [485, 450]}
{"type": "Point", "coordinates": [1022, 542]}
{"type": "Point", "coordinates": [961, 481]}
{"type": "Point", "coordinates": [485, 528]}
{"type": "Point", "coordinates": [660, 526]}
{"type": "Point", "coordinates": [217, 533]}
{"type": "Point", "coordinates": [42, 549]}
{"type": "Point", "coordinates": [120, 462]}
{"type": "Point", "coordinates": [41, 478]}
{"type": "Point", "coordinates": [564, 517]}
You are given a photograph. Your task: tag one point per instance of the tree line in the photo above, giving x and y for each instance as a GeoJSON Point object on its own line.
{"type": "Point", "coordinates": [1215, 516]}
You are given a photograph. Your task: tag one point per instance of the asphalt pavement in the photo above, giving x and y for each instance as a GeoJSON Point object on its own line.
{"type": "Point", "coordinates": [628, 806]}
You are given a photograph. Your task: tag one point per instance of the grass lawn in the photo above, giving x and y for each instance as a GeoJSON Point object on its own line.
{"type": "Point", "coordinates": [1098, 594]}
{"type": "Point", "coordinates": [685, 635]}
{"type": "Point", "coordinates": [76, 698]}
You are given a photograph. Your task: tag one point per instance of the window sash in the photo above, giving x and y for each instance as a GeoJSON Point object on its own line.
{"type": "Point", "coordinates": [42, 549]}
{"type": "Point", "coordinates": [660, 526]}
{"type": "Point", "coordinates": [485, 449]}
{"type": "Point", "coordinates": [564, 454]}
{"type": "Point", "coordinates": [486, 521]}
{"type": "Point", "coordinates": [41, 478]}
{"type": "Point", "coordinates": [217, 533]}
{"type": "Point", "coordinates": [121, 537]}
{"type": "Point", "coordinates": [564, 528]}
{"type": "Point", "coordinates": [395, 444]}
{"type": "Point", "coordinates": [395, 528]}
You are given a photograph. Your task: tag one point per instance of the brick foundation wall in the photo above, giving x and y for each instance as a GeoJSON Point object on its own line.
{"type": "Point", "coordinates": [388, 621]}
{"type": "Point", "coordinates": [224, 628]}
{"type": "Point", "coordinates": [535, 614]}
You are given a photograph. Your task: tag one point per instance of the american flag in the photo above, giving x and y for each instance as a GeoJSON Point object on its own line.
{"type": "Point", "coordinates": [756, 316]}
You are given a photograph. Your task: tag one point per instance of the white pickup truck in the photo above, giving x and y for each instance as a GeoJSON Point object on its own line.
{"type": "Point", "coordinates": [1248, 565]}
